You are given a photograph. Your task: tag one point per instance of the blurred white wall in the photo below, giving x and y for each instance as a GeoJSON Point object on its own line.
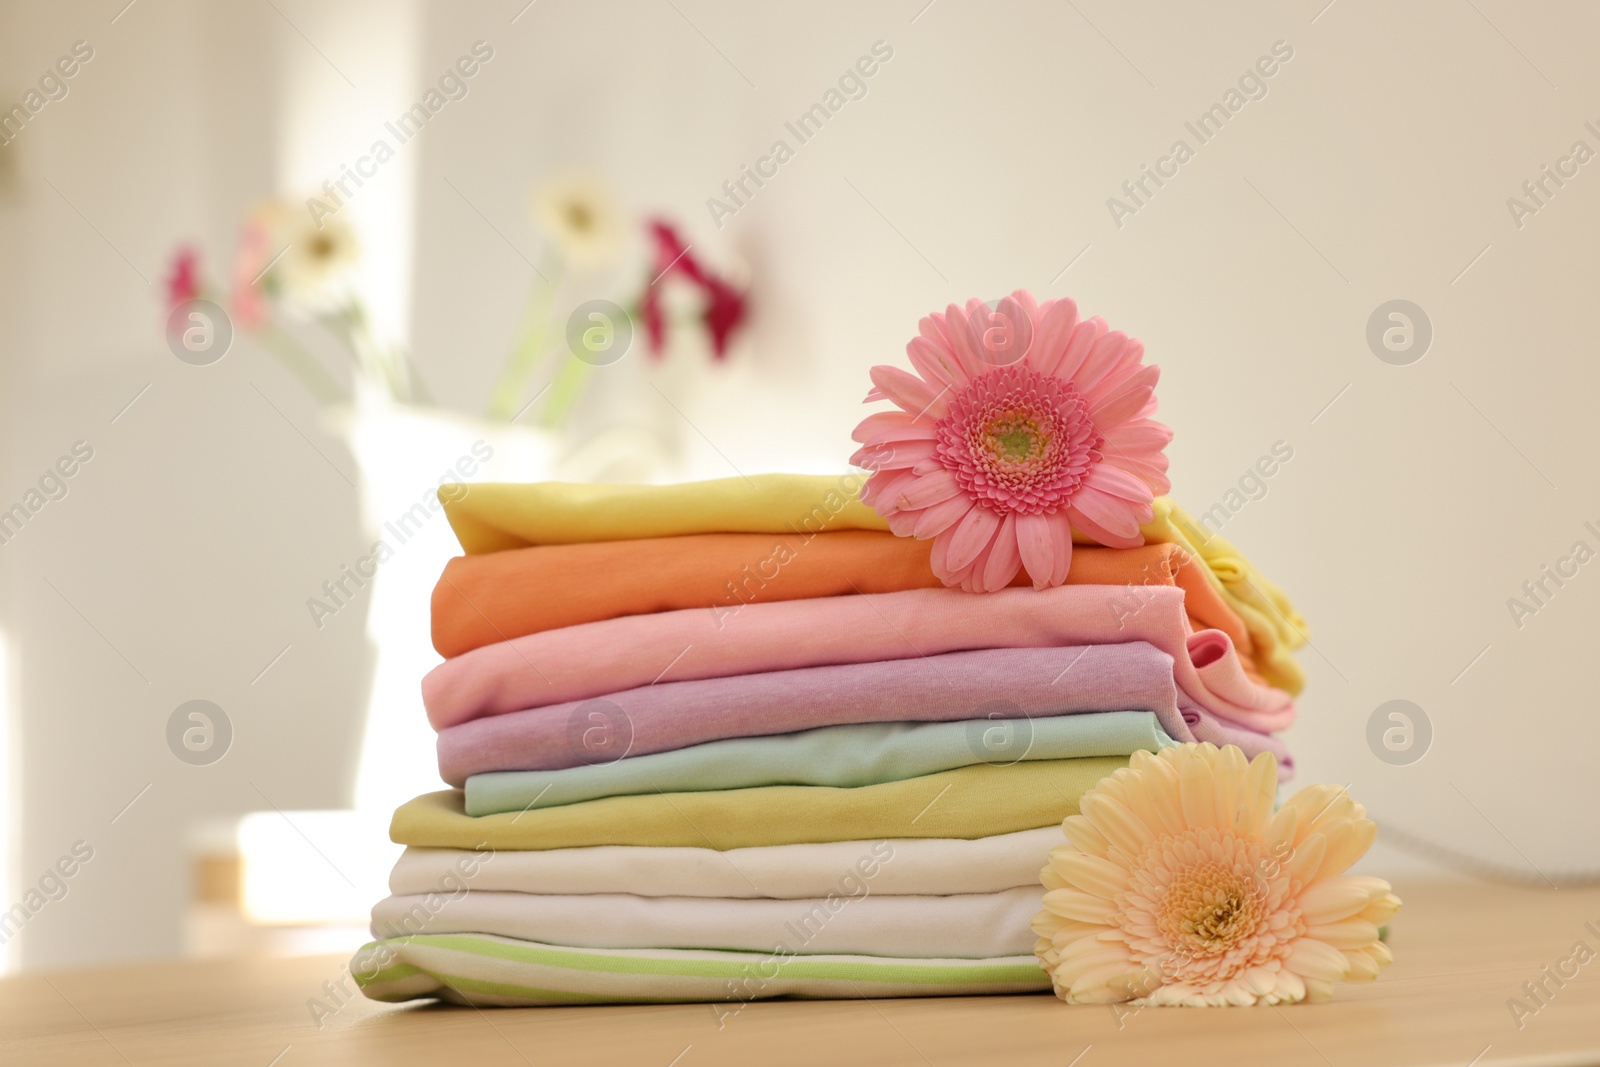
{"type": "Point", "coordinates": [981, 158]}
{"type": "Point", "coordinates": [177, 565]}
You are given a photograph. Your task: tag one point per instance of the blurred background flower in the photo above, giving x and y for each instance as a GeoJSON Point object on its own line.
{"type": "Point", "coordinates": [319, 260]}
{"type": "Point", "coordinates": [580, 213]}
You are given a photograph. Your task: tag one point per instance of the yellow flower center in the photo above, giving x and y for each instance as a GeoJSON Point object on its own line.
{"type": "Point", "coordinates": [579, 217]}
{"type": "Point", "coordinates": [1208, 909]}
{"type": "Point", "coordinates": [1015, 439]}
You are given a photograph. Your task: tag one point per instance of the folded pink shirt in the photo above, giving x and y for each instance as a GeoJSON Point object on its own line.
{"type": "Point", "coordinates": [1000, 683]}
{"type": "Point", "coordinates": [593, 659]}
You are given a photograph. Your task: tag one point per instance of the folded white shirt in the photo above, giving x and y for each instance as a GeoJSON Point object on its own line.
{"type": "Point", "coordinates": [968, 926]}
{"type": "Point", "coordinates": [893, 867]}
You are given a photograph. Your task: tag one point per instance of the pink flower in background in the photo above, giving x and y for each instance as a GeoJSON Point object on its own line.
{"type": "Point", "coordinates": [1021, 424]}
{"type": "Point", "coordinates": [725, 307]}
{"type": "Point", "coordinates": [183, 284]}
{"type": "Point", "coordinates": [724, 313]}
{"type": "Point", "coordinates": [249, 303]}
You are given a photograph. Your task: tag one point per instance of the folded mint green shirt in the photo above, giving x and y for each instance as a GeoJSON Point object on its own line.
{"type": "Point", "coordinates": [846, 756]}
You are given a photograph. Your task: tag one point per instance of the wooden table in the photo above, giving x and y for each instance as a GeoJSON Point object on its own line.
{"type": "Point", "coordinates": [1462, 951]}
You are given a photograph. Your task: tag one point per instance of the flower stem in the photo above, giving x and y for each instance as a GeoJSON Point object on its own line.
{"type": "Point", "coordinates": [531, 348]}
{"type": "Point", "coordinates": [305, 366]}
{"type": "Point", "coordinates": [564, 392]}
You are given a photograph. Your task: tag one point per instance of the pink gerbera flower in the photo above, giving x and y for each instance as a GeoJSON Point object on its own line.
{"type": "Point", "coordinates": [1021, 425]}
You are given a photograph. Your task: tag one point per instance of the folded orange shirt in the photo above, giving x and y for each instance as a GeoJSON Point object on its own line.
{"type": "Point", "coordinates": [483, 599]}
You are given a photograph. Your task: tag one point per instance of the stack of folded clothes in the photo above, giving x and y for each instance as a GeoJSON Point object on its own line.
{"type": "Point", "coordinates": [735, 739]}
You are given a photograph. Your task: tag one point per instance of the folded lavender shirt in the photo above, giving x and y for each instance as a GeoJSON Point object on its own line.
{"type": "Point", "coordinates": [592, 659]}
{"type": "Point", "coordinates": [988, 683]}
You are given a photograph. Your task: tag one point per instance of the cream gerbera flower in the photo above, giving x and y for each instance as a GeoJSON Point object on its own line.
{"type": "Point", "coordinates": [1181, 886]}
{"type": "Point", "coordinates": [580, 212]}
{"type": "Point", "coordinates": [320, 257]}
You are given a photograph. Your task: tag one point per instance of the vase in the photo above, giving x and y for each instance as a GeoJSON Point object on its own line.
{"type": "Point", "coordinates": [403, 453]}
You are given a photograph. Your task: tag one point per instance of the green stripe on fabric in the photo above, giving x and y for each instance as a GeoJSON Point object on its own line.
{"type": "Point", "coordinates": [789, 967]}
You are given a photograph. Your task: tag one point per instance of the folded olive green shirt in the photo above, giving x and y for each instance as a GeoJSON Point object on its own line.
{"type": "Point", "coordinates": [495, 516]}
{"type": "Point", "coordinates": [968, 802]}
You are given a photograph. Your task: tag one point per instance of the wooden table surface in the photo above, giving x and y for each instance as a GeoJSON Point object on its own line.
{"type": "Point", "coordinates": [1461, 952]}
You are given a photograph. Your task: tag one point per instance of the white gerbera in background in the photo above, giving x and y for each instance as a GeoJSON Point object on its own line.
{"type": "Point", "coordinates": [318, 270]}
{"type": "Point", "coordinates": [582, 215]}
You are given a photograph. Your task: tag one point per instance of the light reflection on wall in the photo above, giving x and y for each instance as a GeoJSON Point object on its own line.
{"type": "Point", "coordinates": [8, 795]}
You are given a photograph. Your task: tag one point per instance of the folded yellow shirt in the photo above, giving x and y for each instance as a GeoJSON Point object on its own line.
{"type": "Point", "coordinates": [968, 802]}
{"type": "Point", "coordinates": [495, 516]}
{"type": "Point", "coordinates": [1275, 627]}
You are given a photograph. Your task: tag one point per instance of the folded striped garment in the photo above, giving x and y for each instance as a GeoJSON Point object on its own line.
{"type": "Point", "coordinates": [499, 971]}
{"type": "Point", "coordinates": [599, 658]}
{"type": "Point", "coordinates": [845, 756]}
{"type": "Point", "coordinates": [968, 802]}
{"type": "Point", "coordinates": [891, 866]}
{"type": "Point", "coordinates": [965, 926]}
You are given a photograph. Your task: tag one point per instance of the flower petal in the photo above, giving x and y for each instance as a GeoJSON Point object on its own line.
{"type": "Point", "coordinates": [891, 426]}
{"type": "Point", "coordinates": [910, 392]}
{"type": "Point", "coordinates": [1348, 934]}
{"type": "Point", "coordinates": [964, 341]}
{"type": "Point", "coordinates": [1346, 845]}
{"type": "Point", "coordinates": [971, 536]}
{"type": "Point", "coordinates": [1063, 545]}
{"type": "Point", "coordinates": [1024, 299]}
{"type": "Point", "coordinates": [1034, 545]}
{"type": "Point", "coordinates": [1198, 793]}
{"type": "Point", "coordinates": [938, 555]}
{"type": "Point", "coordinates": [1126, 401]}
{"type": "Point", "coordinates": [882, 486]}
{"type": "Point", "coordinates": [1124, 366]}
{"type": "Point", "coordinates": [936, 362]}
{"type": "Point", "coordinates": [1332, 900]}
{"type": "Point", "coordinates": [1097, 986]}
{"type": "Point", "coordinates": [1140, 438]}
{"type": "Point", "coordinates": [1256, 795]}
{"type": "Point", "coordinates": [1083, 338]}
{"type": "Point", "coordinates": [937, 518]}
{"type": "Point", "coordinates": [1092, 874]}
{"type": "Point", "coordinates": [1004, 559]}
{"type": "Point", "coordinates": [892, 455]}
{"type": "Point", "coordinates": [1076, 904]}
{"type": "Point", "coordinates": [1056, 323]}
{"type": "Point", "coordinates": [1102, 357]}
{"type": "Point", "coordinates": [1302, 866]}
{"type": "Point", "coordinates": [1116, 482]}
{"type": "Point", "coordinates": [1122, 828]}
{"type": "Point", "coordinates": [1004, 334]}
{"type": "Point", "coordinates": [1315, 961]}
{"type": "Point", "coordinates": [1084, 836]}
{"type": "Point", "coordinates": [972, 573]}
{"type": "Point", "coordinates": [926, 490]}
{"type": "Point", "coordinates": [1105, 512]}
